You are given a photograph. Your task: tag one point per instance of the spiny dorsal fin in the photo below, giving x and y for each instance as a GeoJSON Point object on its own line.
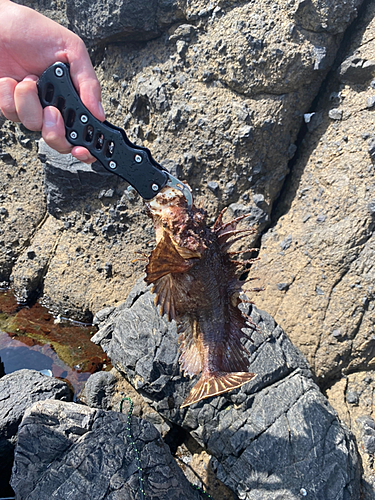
{"type": "Point", "coordinates": [165, 259]}
{"type": "Point", "coordinates": [213, 384]}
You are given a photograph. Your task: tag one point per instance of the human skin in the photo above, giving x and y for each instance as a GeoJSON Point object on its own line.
{"type": "Point", "coordinates": [29, 44]}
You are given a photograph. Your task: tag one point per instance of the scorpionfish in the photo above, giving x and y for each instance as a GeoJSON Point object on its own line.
{"type": "Point", "coordinates": [196, 283]}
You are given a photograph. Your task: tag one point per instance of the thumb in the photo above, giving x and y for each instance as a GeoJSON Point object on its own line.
{"type": "Point", "coordinates": [85, 80]}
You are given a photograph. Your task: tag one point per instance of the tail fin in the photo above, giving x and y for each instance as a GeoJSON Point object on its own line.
{"type": "Point", "coordinates": [216, 383]}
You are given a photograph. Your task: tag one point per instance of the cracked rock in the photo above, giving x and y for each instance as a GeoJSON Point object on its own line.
{"type": "Point", "coordinates": [18, 391]}
{"type": "Point", "coordinates": [70, 451]}
{"type": "Point", "coordinates": [272, 437]}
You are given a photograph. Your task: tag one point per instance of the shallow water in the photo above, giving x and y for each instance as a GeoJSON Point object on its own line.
{"type": "Point", "coordinates": [30, 337]}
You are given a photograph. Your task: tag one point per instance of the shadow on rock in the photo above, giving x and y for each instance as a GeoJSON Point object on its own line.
{"type": "Point", "coordinates": [275, 437]}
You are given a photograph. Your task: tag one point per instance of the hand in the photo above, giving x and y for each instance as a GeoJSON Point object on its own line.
{"type": "Point", "coordinates": [29, 44]}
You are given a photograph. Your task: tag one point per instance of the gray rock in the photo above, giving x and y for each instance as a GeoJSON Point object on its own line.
{"type": "Point", "coordinates": [98, 390]}
{"type": "Point", "coordinates": [285, 244]}
{"type": "Point", "coordinates": [356, 70]}
{"type": "Point", "coordinates": [335, 114]}
{"type": "Point", "coordinates": [18, 391]}
{"type": "Point", "coordinates": [213, 186]}
{"type": "Point", "coordinates": [327, 16]}
{"type": "Point", "coordinates": [123, 20]}
{"type": "Point", "coordinates": [67, 181]}
{"type": "Point", "coordinates": [271, 438]}
{"type": "Point", "coordinates": [70, 451]}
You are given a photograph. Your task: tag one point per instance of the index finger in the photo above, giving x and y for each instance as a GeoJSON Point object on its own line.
{"type": "Point", "coordinates": [84, 78]}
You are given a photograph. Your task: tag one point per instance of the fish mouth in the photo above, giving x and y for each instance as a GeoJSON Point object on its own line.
{"type": "Point", "coordinates": [166, 198]}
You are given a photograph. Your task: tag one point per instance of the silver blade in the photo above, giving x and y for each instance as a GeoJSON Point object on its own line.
{"type": "Point", "coordinates": [185, 189]}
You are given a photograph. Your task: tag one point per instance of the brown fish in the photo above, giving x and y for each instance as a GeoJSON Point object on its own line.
{"type": "Point", "coordinates": [196, 284]}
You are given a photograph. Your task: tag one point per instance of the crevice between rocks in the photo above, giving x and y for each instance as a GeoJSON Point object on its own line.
{"type": "Point", "coordinates": [278, 210]}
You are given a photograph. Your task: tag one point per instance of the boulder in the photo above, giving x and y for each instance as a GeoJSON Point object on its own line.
{"type": "Point", "coordinates": [121, 21]}
{"type": "Point", "coordinates": [18, 391]}
{"type": "Point", "coordinates": [66, 450]}
{"type": "Point", "coordinates": [319, 287]}
{"type": "Point", "coordinates": [105, 390]}
{"type": "Point", "coordinates": [352, 395]}
{"type": "Point", "coordinates": [277, 436]}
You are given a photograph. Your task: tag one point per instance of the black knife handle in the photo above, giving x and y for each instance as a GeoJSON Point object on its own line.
{"type": "Point", "coordinates": [107, 143]}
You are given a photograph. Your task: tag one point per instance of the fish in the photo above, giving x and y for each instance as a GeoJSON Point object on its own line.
{"type": "Point", "coordinates": [196, 283]}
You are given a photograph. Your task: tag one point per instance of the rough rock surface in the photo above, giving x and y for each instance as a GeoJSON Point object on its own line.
{"type": "Point", "coordinates": [19, 391]}
{"type": "Point", "coordinates": [277, 436]}
{"type": "Point", "coordinates": [121, 21]}
{"type": "Point", "coordinates": [218, 97]}
{"type": "Point", "coordinates": [353, 396]}
{"type": "Point", "coordinates": [105, 390]}
{"type": "Point", "coordinates": [69, 451]}
{"type": "Point", "coordinates": [316, 263]}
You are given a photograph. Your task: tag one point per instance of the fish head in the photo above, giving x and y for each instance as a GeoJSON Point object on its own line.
{"type": "Point", "coordinates": [168, 209]}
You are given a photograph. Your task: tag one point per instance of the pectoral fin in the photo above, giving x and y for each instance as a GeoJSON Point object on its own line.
{"type": "Point", "coordinates": [216, 383]}
{"type": "Point", "coordinates": [165, 259]}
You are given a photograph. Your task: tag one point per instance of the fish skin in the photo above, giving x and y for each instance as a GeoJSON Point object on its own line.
{"type": "Point", "coordinates": [195, 283]}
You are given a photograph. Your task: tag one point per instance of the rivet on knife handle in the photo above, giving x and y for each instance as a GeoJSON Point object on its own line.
{"type": "Point", "coordinates": [106, 142]}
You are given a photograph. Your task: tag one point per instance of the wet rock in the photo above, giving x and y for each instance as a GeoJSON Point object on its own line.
{"type": "Point", "coordinates": [268, 438]}
{"type": "Point", "coordinates": [19, 391]}
{"type": "Point", "coordinates": [66, 450]}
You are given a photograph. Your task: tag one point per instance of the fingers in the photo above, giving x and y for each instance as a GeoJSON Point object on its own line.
{"type": "Point", "coordinates": [19, 102]}
{"type": "Point", "coordinates": [84, 78]}
{"type": "Point", "coordinates": [7, 104]}
{"type": "Point", "coordinates": [28, 107]}
{"type": "Point", "coordinates": [53, 132]}
{"type": "Point", "coordinates": [83, 154]}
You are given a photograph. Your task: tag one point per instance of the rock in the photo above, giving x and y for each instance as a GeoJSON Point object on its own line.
{"type": "Point", "coordinates": [68, 182]}
{"type": "Point", "coordinates": [273, 437]}
{"type": "Point", "coordinates": [213, 186]}
{"type": "Point", "coordinates": [32, 264]}
{"type": "Point", "coordinates": [360, 417]}
{"type": "Point", "coordinates": [121, 21]}
{"type": "Point", "coordinates": [326, 209]}
{"type": "Point", "coordinates": [356, 70]}
{"type": "Point", "coordinates": [18, 391]}
{"type": "Point", "coordinates": [69, 451]}
{"type": "Point", "coordinates": [329, 16]}
{"type": "Point", "coordinates": [98, 390]}
{"type": "Point", "coordinates": [335, 114]}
